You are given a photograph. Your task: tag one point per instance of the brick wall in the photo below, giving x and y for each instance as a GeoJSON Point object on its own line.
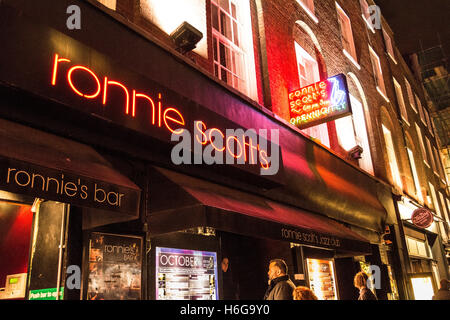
{"type": "Point", "coordinates": [277, 24]}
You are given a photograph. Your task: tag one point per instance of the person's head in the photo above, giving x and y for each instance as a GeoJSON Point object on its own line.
{"type": "Point", "coordinates": [225, 264]}
{"type": "Point", "coordinates": [360, 280]}
{"type": "Point", "coordinates": [277, 268]}
{"type": "Point", "coordinates": [303, 293]}
{"type": "Point", "coordinates": [445, 284]}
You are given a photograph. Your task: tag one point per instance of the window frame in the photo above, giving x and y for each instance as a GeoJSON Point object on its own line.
{"type": "Point", "coordinates": [309, 9]}
{"type": "Point", "coordinates": [365, 10]}
{"type": "Point", "coordinates": [392, 157]}
{"type": "Point", "coordinates": [415, 175]}
{"type": "Point", "coordinates": [345, 26]}
{"type": "Point", "coordinates": [410, 93]}
{"type": "Point", "coordinates": [401, 100]}
{"type": "Point", "coordinates": [378, 73]}
{"type": "Point", "coordinates": [389, 46]}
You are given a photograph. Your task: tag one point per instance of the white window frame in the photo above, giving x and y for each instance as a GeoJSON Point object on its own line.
{"type": "Point", "coordinates": [308, 6]}
{"type": "Point", "coordinates": [409, 91]}
{"type": "Point", "coordinates": [438, 159]}
{"type": "Point", "coordinates": [430, 152]}
{"type": "Point", "coordinates": [389, 47]}
{"type": "Point", "coordinates": [318, 132]}
{"type": "Point", "coordinates": [415, 175]}
{"type": "Point", "coordinates": [366, 14]}
{"type": "Point", "coordinates": [378, 74]}
{"type": "Point", "coordinates": [422, 145]}
{"type": "Point", "coordinates": [111, 4]}
{"type": "Point", "coordinates": [420, 107]}
{"type": "Point", "coordinates": [392, 158]}
{"type": "Point", "coordinates": [347, 39]}
{"type": "Point", "coordinates": [401, 100]}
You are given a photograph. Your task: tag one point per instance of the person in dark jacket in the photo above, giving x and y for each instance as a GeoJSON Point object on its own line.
{"type": "Point", "coordinates": [360, 282]}
{"type": "Point", "coordinates": [443, 292]}
{"type": "Point", "coordinates": [280, 286]}
{"type": "Point", "coordinates": [230, 286]}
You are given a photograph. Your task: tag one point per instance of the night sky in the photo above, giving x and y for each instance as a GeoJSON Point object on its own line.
{"type": "Point", "coordinates": [415, 21]}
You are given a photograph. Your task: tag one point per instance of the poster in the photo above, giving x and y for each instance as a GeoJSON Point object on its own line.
{"type": "Point", "coordinates": [321, 278]}
{"type": "Point", "coordinates": [115, 264]}
{"type": "Point", "coordinates": [186, 274]}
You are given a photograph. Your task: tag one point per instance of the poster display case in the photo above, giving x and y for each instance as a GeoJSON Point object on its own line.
{"type": "Point", "coordinates": [186, 274]}
{"type": "Point", "coordinates": [115, 267]}
{"type": "Point", "coordinates": [322, 278]}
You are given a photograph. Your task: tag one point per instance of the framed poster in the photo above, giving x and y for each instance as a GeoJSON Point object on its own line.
{"type": "Point", "coordinates": [186, 274]}
{"type": "Point", "coordinates": [114, 267]}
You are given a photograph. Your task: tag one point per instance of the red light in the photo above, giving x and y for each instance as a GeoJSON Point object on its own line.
{"type": "Point", "coordinates": [210, 138]}
{"type": "Point", "coordinates": [105, 89]}
{"type": "Point", "coordinates": [238, 142]}
{"type": "Point", "coordinates": [141, 95]}
{"type": "Point", "coordinates": [179, 121]}
{"type": "Point", "coordinates": [55, 67]}
{"type": "Point", "coordinates": [69, 79]}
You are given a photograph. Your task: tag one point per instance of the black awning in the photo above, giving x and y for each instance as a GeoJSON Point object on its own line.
{"type": "Point", "coordinates": [46, 166]}
{"type": "Point", "coordinates": [181, 202]}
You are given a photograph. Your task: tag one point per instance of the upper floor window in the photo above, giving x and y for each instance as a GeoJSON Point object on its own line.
{"type": "Point", "coordinates": [389, 47]}
{"type": "Point", "coordinates": [308, 6]}
{"type": "Point", "coordinates": [410, 95]}
{"type": "Point", "coordinates": [233, 45]}
{"type": "Point", "coordinates": [111, 4]}
{"type": "Point", "coordinates": [391, 156]}
{"type": "Point", "coordinates": [420, 107]}
{"type": "Point", "coordinates": [308, 73]}
{"type": "Point", "coordinates": [401, 100]}
{"type": "Point", "coordinates": [430, 153]}
{"type": "Point", "coordinates": [347, 36]}
{"type": "Point", "coordinates": [412, 163]}
{"type": "Point", "coordinates": [366, 14]}
{"type": "Point", "coordinates": [422, 145]}
{"type": "Point", "coordinates": [378, 73]}
{"type": "Point", "coordinates": [228, 55]}
{"type": "Point", "coordinates": [352, 131]}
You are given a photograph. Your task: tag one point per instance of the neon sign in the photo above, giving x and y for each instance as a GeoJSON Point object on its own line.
{"type": "Point", "coordinates": [319, 102]}
{"type": "Point", "coordinates": [145, 109]}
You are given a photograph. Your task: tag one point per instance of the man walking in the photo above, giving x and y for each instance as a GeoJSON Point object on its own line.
{"type": "Point", "coordinates": [280, 286]}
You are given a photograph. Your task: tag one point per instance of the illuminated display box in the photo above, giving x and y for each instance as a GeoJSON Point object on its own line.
{"type": "Point", "coordinates": [319, 102]}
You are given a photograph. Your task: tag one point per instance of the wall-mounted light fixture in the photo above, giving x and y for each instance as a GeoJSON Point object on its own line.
{"type": "Point", "coordinates": [355, 152]}
{"type": "Point", "coordinates": [186, 37]}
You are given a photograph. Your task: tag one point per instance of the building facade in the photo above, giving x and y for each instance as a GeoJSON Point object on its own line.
{"type": "Point", "coordinates": [145, 141]}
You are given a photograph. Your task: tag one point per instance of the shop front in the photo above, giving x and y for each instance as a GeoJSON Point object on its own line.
{"type": "Point", "coordinates": [109, 122]}
{"type": "Point", "coordinates": [427, 264]}
{"type": "Point", "coordinates": [48, 183]}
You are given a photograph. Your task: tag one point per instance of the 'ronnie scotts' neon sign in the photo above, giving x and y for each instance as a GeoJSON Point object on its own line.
{"type": "Point", "coordinates": [319, 102]}
{"type": "Point", "coordinates": [169, 118]}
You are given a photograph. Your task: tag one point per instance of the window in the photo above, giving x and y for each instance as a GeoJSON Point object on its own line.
{"type": "Point", "coordinates": [417, 247]}
{"type": "Point", "coordinates": [444, 206]}
{"type": "Point", "coordinates": [391, 156]}
{"type": "Point", "coordinates": [111, 4]}
{"type": "Point", "coordinates": [401, 100]}
{"type": "Point", "coordinates": [419, 106]}
{"type": "Point", "coordinates": [351, 131]}
{"type": "Point", "coordinates": [308, 72]}
{"type": "Point", "coordinates": [308, 6]}
{"type": "Point", "coordinates": [438, 211]}
{"type": "Point", "coordinates": [415, 175]}
{"type": "Point", "coordinates": [428, 119]}
{"type": "Point", "coordinates": [366, 14]}
{"type": "Point", "coordinates": [422, 145]}
{"type": "Point", "coordinates": [378, 73]}
{"type": "Point", "coordinates": [389, 47]}
{"type": "Point", "coordinates": [410, 96]}
{"type": "Point", "coordinates": [347, 36]}
{"type": "Point", "coordinates": [233, 45]}
{"type": "Point", "coordinates": [430, 153]}
{"type": "Point", "coordinates": [438, 162]}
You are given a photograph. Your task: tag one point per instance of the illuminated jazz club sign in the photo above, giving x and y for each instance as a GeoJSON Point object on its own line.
{"type": "Point", "coordinates": [319, 102]}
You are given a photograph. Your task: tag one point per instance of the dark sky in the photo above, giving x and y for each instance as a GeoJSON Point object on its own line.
{"type": "Point", "coordinates": [415, 21]}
